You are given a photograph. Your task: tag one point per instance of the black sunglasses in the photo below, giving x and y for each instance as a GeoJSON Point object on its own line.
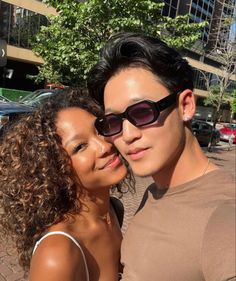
{"type": "Point", "coordinates": [139, 114]}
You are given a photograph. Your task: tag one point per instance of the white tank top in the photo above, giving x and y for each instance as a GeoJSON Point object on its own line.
{"type": "Point", "coordinates": [71, 238]}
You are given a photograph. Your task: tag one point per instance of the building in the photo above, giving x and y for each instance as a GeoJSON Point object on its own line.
{"type": "Point", "coordinates": [220, 32]}
{"type": "Point", "coordinates": [214, 11]}
{"type": "Point", "coordinates": [215, 36]}
{"type": "Point", "coordinates": [19, 21]}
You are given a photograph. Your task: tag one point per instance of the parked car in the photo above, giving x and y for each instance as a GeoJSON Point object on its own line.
{"type": "Point", "coordinates": [10, 111]}
{"type": "Point", "coordinates": [2, 98]}
{"type": "Point", "coordinates": [202, 130]}
{"type": "Point", "coordinates": [37, 97]}
{"type": "Point", "coordinates": [227, 132]}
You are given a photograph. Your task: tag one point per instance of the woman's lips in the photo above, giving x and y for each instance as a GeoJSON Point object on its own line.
{"type": "Point", "coordinates": [113, 162]}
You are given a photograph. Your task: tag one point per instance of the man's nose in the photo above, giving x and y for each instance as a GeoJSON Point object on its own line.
{"type": "Point", "coordinates": [130, 132]}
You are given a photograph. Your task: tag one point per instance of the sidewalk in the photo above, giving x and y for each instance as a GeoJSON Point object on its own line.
{"type": "Point", "coordinates": [9, 268]}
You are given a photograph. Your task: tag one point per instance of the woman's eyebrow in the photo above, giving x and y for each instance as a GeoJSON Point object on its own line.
{"type": "Point", "coordinates": [75, 137]}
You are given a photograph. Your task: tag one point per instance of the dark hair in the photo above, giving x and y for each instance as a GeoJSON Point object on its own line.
{"type": "Point", "coordinates": [138, 50]}
{"type": "Point", "coordinates": [38, 183]}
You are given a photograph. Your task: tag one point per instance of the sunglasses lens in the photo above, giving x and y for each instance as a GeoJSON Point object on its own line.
{"type": "Point", "coordinates": [142, 114]}
{"type": "Point", "coordinates": [109, 125]}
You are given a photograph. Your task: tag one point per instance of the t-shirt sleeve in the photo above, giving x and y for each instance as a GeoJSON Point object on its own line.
{"type": "Point", "coordinates": [219, 247]}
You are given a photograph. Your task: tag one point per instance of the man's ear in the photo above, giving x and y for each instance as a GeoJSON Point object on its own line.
{"type": "Point", "coordinates": [187, 105]}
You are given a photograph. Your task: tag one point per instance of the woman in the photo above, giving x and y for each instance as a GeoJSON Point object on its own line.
{"type": "Point", "coordinates": [56, 175]}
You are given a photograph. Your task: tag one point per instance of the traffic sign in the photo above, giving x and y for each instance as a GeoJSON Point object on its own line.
{"type": "Point", "coordinates": [3, 52]}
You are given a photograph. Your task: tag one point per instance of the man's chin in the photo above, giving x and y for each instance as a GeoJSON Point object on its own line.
{"type": "Point", "coordinates": [141, 173]}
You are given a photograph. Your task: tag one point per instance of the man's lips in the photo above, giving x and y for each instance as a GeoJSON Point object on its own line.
{"type": "Point", "coordinates": [135, 150]}
{"type": "Point", "coordinates": [136, 153]}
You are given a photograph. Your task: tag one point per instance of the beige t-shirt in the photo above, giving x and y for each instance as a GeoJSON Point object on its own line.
{"type": "Point", "coordinates": [184, 234]}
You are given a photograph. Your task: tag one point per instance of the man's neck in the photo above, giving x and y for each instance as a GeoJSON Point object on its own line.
{"type": "Point", "coordinates": [191, 164]}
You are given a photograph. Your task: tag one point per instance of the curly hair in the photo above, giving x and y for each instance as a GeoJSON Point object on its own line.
{"type": "Point", "coordinates": [38, 183]}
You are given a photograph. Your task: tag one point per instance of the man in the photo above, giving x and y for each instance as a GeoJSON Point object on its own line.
{"type": "Point", "coordinates": [184, 230]}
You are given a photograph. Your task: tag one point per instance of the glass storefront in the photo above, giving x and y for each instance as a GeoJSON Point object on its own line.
{"type": "Point", "coordinates": [18, 26]}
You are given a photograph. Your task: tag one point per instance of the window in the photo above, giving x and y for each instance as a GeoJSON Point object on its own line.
{"type": "Point", "coordinates": [198, 14]}
{"type": "Point", "coordinates": [19, 25]}
{"type": "Point", "coordinates": [205, 6]}
{"type": "Point", "coordinates": [195, 125]}
{"type": "Point", "coordinates": [172, 13]}
{"type": "Point", "coordinates": [174, 3]}
{"type": "Point", "coordinates": [205, 127]}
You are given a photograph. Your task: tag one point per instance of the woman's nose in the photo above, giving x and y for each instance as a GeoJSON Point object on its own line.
{"type": "Point", "coordinates": [103, 147]}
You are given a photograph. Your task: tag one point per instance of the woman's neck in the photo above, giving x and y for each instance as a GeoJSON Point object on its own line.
{"type": "Point", "coordinates": [95, 206]}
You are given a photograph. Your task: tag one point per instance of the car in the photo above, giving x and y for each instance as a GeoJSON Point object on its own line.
{"type": "Point", "coordinates": [35, 98]}
{"type": "Point", "coordinates": [202, 130]}
{"type": "Point", "coordinates": [10, 111]}
{"type": "Point", "coordinates": [2, 98]}
{"type": "Point", "coordinates": [227, 132]}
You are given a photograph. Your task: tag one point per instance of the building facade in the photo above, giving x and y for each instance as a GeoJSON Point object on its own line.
{"type": "Point", "coordinates": [20, 20]}
{"type": "Point", "coordinates": [216, 12]}
{"type": "Point", "coordinates": [215, 37]}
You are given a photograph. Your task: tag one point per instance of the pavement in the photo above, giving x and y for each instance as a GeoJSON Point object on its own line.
{"type": "Point", "coordinates": [221, 155]}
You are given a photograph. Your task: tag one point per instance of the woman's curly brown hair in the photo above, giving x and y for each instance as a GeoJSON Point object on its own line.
{"type": "Point", "coordinates": [38, 183]}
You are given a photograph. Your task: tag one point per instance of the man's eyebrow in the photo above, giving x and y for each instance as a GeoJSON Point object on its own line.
{"type": "Point", "coordinates": [132, 101]}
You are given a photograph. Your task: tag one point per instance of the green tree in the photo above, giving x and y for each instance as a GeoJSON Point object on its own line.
{"type": "Point", "coordinates": [233, 103]}
{"type": "Point", "coordinates": [71, 42]}
{"type": "Point", "coordinates": [215, 98]}
{"type": "Point", "coordinates": [225, 55]}
{"type": "Point", "coordinates": [218, 85]}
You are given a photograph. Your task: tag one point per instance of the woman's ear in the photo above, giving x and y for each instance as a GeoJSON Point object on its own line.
{"type": "Point", "coordinates": [187, 105]}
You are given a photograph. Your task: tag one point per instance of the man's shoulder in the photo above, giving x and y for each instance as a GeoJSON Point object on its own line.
{"type": "Point", "coordinates": [223, 215]}
{"type": "Point", "coordinates": [221, 175]}
{"type": "Point", "coordinates": [218, 248]}
{"type": "Point", "coordinates": [219, 182]}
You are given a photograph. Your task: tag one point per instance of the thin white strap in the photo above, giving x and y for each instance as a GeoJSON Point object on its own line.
{"type": "Point", "coordinates": [70, 237]}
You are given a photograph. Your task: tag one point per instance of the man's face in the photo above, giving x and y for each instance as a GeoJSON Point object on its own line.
{"type": "Point", "coordinates": [156, 146]}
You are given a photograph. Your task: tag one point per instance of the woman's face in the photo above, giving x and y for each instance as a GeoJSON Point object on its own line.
{"type": "Point", "coordinates": [95, 161]}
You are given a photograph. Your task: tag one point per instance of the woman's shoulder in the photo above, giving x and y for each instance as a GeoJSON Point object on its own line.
{"type": "Point", "coordinates": [59, 257]}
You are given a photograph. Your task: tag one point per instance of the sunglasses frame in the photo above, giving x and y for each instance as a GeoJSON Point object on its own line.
{"type": "Point", "coordinates": [157, 107]}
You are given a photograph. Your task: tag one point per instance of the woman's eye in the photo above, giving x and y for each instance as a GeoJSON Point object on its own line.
{"type": "Point", "coordinates": [79, 147]}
